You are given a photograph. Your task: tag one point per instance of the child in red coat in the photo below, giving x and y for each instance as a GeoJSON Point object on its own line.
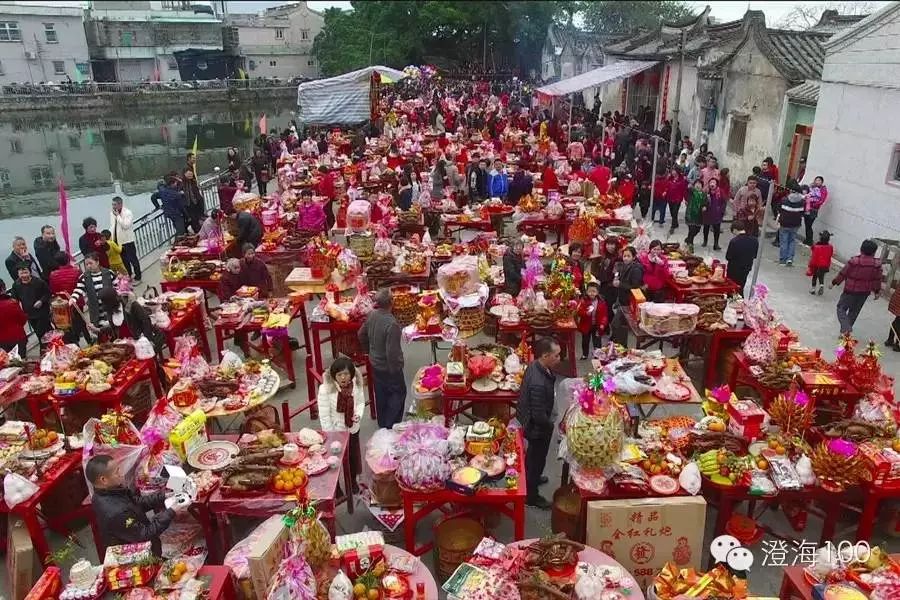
{"type": "Point", "coordinates": [820, 262]}
{"type": "Point", "coordinates": [593, 317]}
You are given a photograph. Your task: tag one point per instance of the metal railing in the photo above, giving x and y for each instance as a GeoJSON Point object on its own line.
{"type": "Point", "coordinates": [153, 230]}
{"type": "Point", "coordinates": [120, 87]}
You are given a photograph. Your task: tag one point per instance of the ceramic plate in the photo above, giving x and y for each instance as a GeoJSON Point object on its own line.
{"type": "Point", "coordinates": [43, 452]}
{"type": "Point", "coordinates": [213, 455]}
{"type": "Point", "coordinates": [314, 465]}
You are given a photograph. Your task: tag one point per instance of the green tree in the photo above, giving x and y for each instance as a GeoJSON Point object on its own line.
{"type": "Point", "coordinates": [409, 32]}
{"type": "Point", "coordinates": [623, 17]}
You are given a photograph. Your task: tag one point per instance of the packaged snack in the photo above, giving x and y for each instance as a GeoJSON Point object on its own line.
{"type": "Point", "coordinates": [761, 485]}
{"type": "Point", "coordinates": [783, 473]}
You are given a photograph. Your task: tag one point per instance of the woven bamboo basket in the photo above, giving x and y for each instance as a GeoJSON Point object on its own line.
{"type": "Point", "coordinates": [363, 246]}
{"type": "Point", "coordinates": [469, 320]}
{"type": "Point", "coordinates": [455, 539]}
{"type": "Point", "coordinates": [406, 305]}
{"type": "Point", "coordinates": [595, 442]}
{"type": "Point", "coordinates": [386, 490]}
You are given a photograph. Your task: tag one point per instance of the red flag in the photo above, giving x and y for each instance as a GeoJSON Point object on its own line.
{"type": "Point", "coordinates": [64, 214]}
{"type": "Point", "coordinates": [262, 124]}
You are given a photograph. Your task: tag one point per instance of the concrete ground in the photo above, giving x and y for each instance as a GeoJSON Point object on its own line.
{"type": "Point", "coordinates": [812, 316]}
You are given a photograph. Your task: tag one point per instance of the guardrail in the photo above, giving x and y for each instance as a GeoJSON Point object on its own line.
{"type": "Point", "coordinates": [119, 87]}
{"type": "Point", "coordinates": [153, 230]}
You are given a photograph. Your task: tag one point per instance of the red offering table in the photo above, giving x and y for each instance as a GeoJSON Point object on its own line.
{"type": "Point", "coordinates": [452, 227]}
{"type": "Point", "coordinates": [794, 585]}
{"type": "Point", "coordinates": [283, 357]}
{"type": "Point", "coordinates": [682, 292]}
{"type": "Point", "coordinates": [417, 279]}
{"type": "Point", "coordinates": [559, 227]}
{"type": "Point", "coordinates": [718, 339]}
{"type": "Point", "coordinates": [127, 376]}
{"type": "Point", "coordinates": [741, 375]}
{"type": "Point", "coordinates": [68, 466]}
{"type": "Point", "coordinates": [209, 286]}
{"type": "Point", "coordinates": [321, 489]}
{"type": "Point", "coordinates": [456, 401]}
{"type": "Point", "coordinates": [509, 502]}
{"type": "Point", "coordinates": [182, 321]}
{"type": "Point", "coordinates": [565, 334]}
{"type": "Point", "coordinates": [872, 497]}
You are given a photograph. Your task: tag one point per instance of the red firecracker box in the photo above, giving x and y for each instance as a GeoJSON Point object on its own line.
{"type": "Point", "coordinates": [745, 419]}
{"type": "Point", "coordinates": [783, 338]}
{"type": "Point", "coordinates": [821, 384]}
{"type": "Point", "coordinates": [360, 560]}
{"type": "Point", "coordinates": [48, 587]}
{"type": "Point", "coordinates": [883, 464]}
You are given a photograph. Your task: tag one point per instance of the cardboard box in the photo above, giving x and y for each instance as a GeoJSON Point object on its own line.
{"type": "Point", "coordinates": [644, 534]}
{"type": "Point", "coordinates": [745, 419]}
{"type": "Point", "coordinates": [266, 554]}
{"type": "Point", "coordinates": [22, 562]}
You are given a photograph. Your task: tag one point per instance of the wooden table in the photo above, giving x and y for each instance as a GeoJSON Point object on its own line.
{"type": "Point", "coordinates": [321, 489]}
{"type": "Point", "coordinates": [209, 286]}
{"type": "Point", "coordinates": [452, 227]}
{"type": "Point", "coordinates": [455, 402]}
{"type": "Point", "coordinates": [559, 227]}
{"type": "Point", "coordinates": [741, 375]}
{"type": "Point", "coordinates": [681, 292]}
{"type": "Point", "coordinates": [564, 334]}
{"type": "Point", "coordinates": [183, 321]}
{"type": "Point", "coordinates": [419, 280]}
{"type": "Point", "coordinates": [509, 502]}
{"type": "Point", "coordinates": [299, 283]}
{"type": "Point", "coordinates": [29, 510]}
{"type": "Point", "coordinates": [718, 339]}
{"type": "Point", "coordinates": [283, 356]}
{"type": "Point", "coordinates": [644, 339]}
{"type": "Point", "coordinates": [674, 369]}
{"type": "Point", "coordinates": [136, 372]}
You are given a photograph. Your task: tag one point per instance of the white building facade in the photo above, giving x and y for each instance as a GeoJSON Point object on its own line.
{"type": "Point", "coordinates": [856, 137]}
{"type": "Point", "coordinates": [42, 43]}
{"type": "Point", "coordinates": [276, 43]}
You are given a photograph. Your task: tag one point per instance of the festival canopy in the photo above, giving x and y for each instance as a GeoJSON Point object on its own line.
{"type": "Point", "coordinates": [343, 99]}
{"type": "Point", "coordinates": [595, 77]}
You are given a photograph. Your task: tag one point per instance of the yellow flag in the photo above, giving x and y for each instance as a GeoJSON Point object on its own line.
{"type": "Point", "coordinates": [196, 156]}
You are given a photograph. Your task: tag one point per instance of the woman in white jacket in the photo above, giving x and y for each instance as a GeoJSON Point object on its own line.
{"type": "Point", "coordinates": [342, 401]}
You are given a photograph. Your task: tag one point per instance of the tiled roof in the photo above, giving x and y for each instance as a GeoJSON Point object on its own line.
{"type": "Point", "coordinates": [800, 52]}
{"type": "Point", "coordinates": [805, 93]}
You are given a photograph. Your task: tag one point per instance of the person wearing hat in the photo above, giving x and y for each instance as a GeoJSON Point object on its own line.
{"type": "Point", "coordinates": [254, 272]}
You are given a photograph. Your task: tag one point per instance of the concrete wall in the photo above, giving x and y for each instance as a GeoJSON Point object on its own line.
{"type": "Point", "coordinates": [752, 87]}
{"type": "Point", "coordinates": [71, 48]}
{"type": "Point", "coordinates": [149, 99]}
{"type": "Point", "coordinates": [286, 65]}
{"type": "Point", "coordinates": [872, 59]}
{"type": "Point", "coordinates": [285, 40]}
{"type": "Point", "coordinates": [852, 147]}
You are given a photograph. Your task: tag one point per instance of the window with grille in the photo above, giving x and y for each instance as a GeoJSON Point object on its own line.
{"type": "Point", "coordinates": [15, 146]}
{"type": "Point", "coordinates": [311, 63]}
{"type": "Point", "coordinates": [279, 34]}
{"type": "Point", "coordinates": [737, 136]}
{"type": "Point", "coordinates": [83, 68]}
{"type": "Point", "coordinates": [273, 63]}
{"type": "Point", "coordinates": [10, 32]}
{"type": "Point", "coordinates": [304, 34]}
{"type": "Point", "coordinates": [41, 176]}
{"type": "Point", "coordinates": [1, 68]}
{"type": "Point", "coordinates": [50, 33]}
{"type": "Point", "coordinates": [59, 67]}
{"type": "Point", "coordinates": [78, 172]}
{"type": "Point", "coordinates": [74, 142]}
{"type": "Point", "coordinates": [173, 63]}
{"type": "Point", "coordinates": [5, 183]}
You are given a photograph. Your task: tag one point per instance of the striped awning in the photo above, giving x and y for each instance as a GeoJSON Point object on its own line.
{"type": "Point", "coordinates": [618, 70]}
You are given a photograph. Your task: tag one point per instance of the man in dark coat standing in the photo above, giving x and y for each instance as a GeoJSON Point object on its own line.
{"type": "Point", "coordinates": [45, 249]}
{"type": "Point", "coordinates": [741, 253]}
{"type": "Point", "coordinates": [536, 412]}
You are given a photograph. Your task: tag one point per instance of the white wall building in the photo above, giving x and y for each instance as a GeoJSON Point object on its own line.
{"type": "Point", "coordinates": [856, 137]}
{"type": "Point", "coordinates": [277, 42]}
{"type": "Point", "coordinates": [42, 43]}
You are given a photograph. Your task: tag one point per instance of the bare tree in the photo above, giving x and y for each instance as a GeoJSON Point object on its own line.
{"type": "Point", "coordinates": [807, 15]}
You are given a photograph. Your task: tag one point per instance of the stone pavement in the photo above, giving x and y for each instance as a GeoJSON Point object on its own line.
{"type": "Point", "coordinates": [813, 316]}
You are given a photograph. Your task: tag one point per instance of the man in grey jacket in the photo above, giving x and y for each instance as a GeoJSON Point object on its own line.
{"type": "Point", "coordinates": [536, 412]}
{"type": "Point", "coordinates": [380, 337]}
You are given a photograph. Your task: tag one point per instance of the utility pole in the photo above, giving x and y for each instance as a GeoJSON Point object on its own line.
{"type": "Point", "coordinates": [762, 239]}
{"type": "Point", "coordinates": [371, 44]}
{"type": "Point", "coordinates": [677, 94]}
{"type": "Point", "coordinates": [484, 49]}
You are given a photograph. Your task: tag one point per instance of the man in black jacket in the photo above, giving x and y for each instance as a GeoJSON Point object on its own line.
{"type": "Point", "coordinates": [122, 512]}
{"type": "Point", "coordinates": [536, 413]}
{"type": "Point", "coordinates": [741, 253]}
{"type": "Point", "coordinates": [45, 249]}
{"type": "Point", "coordinates": [33, 294]}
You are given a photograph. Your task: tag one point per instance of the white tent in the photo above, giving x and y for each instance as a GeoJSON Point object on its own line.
{"type": "Point", "coordinates": [595, 77]}
{"type": "Point", "coordinates": [343, 99]}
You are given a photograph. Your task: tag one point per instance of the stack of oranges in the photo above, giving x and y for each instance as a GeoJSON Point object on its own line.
{"type": "Point", "coordinates": [289, 480]}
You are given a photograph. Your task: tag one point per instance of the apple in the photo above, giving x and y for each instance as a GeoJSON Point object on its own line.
{"type": "Point", "coordinates": [724, 471]}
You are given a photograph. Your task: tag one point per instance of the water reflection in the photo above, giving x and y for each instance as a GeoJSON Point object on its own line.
{"type": "Point", "coordinates": [91, 153]}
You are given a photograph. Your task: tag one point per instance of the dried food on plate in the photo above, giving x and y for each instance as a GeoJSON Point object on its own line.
{"type": "Point", "coordinates": [309, 437]}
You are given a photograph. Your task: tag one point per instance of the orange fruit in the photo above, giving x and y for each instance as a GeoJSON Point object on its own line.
{"type": "Point", "coordinates": [773, 443]}
{"type": "Point", "coordinates": [359, 590]}
{"type": "Point", "coordinates": [373, 594]}
{"type": "Point", "coordinates": [762, 464]}
{"type": "Point", "coordinates": [279, 485]}
{"type": "Point", "coordinates": [780, 450]}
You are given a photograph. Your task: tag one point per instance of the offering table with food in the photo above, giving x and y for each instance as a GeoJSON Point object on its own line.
{"type": "Point", "coordinates": [270, 472]}
{"type": "Point", "coordinates": [47, 469]}
{"type": "Point", "coordinates": [550, 568]}
{"type": "Point", "coordinates": [691, 276]}
{"type": "Point", "coordinates": [231, 388]}
{"type": "Point", "coordinates": [479, 466]}
{"type": "Point", "coordinates": [797, 581]}
{"type": "Point", "coordinates": [183, 318]}
{"type": "Point", "coordinates": [270, 319]}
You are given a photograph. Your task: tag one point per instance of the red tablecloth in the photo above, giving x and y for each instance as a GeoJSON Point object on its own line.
{"type": "Point", "coordinates": [682, 292]}
{"type": "Point", "coordinates": [455, 402]}
{"type": "Point", "coordinates": [182, 321]}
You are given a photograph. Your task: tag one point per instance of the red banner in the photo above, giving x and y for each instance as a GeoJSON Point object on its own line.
{"type": "Point", "coordinates": [665, 98]}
